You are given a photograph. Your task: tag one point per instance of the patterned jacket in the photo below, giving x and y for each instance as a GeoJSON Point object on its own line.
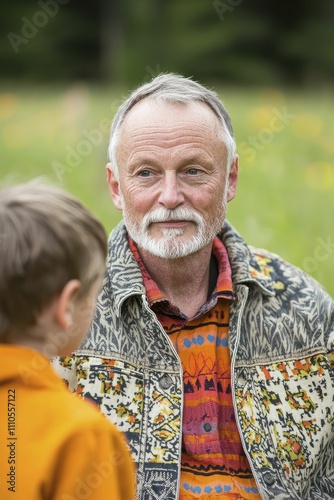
{"type": "Point", "coordinates": [281, 338]}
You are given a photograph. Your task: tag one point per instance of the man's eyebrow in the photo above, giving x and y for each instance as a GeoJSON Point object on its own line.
{"type": "Point", "coordinates": [200, 159]}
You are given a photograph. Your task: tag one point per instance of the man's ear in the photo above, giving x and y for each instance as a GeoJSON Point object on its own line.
{"type": "Point", "coordinates": [114, 188]}
{"type": "Point", "coordinates": [233, 178]}
{"type": "Point", "coordinates": [64, 306]}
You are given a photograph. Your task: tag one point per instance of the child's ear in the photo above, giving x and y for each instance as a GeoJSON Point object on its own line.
{"type": "Point", "coordinates": [65, 305]}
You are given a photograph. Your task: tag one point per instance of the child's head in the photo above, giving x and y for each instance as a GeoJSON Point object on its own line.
{"type": "Point", "coordinates": [51, 247]}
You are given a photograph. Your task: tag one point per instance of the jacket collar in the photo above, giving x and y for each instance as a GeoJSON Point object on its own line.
{"type": "Point", "coordinates": [123, 272]}
{"type": "Point", "coordinates": [248, 264]}
{"type": "Point", "coordinates": [125, 278]}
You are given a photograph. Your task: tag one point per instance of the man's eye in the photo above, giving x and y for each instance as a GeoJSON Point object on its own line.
{"type": "Point", "coordinates": [144, 173]}
{"type": "Point", "coordinates": [193, 171]}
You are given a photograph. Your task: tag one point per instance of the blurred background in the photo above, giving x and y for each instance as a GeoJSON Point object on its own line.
{"type": "Point", "coordinates": [66, 65]}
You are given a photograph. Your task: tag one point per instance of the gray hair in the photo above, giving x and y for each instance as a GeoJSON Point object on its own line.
{"type": "Point", "coordinates": [175, 89]}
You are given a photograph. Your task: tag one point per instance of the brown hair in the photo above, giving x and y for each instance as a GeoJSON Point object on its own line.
{"type": "Point", "coordinates": [47, 238]}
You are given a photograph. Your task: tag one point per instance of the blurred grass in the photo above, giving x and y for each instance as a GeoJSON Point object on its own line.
{"type": "Point", "coordinates": [284, 201]}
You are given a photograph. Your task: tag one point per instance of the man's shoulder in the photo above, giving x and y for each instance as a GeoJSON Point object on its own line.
{"type": "Point", "coordinates": [266, 267]}
{"type": "Point", "coordinates": [266, 258]}
{"type": "Point", "coordinates": [283, 273]}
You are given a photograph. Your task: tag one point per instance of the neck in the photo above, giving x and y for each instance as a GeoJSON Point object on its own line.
{"type": "Point", "coordinates": [184, 281]}
{"type": "Point", "coordinates": [33, 338]}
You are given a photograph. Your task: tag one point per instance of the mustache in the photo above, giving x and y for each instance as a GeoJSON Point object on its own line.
{"type": "Point", "coordinates": [165, 215]}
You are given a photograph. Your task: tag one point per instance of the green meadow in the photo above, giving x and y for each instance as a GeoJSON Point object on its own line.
{"type": "Point", "coordinates": [285, 138]}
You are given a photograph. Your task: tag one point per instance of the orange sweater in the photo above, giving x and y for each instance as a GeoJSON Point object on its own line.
{"type": "Point", "coordinates": [52, 444]}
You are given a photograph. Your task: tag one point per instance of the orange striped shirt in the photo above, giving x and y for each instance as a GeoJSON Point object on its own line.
{"type": "Point", "coordinates": [213, 465]}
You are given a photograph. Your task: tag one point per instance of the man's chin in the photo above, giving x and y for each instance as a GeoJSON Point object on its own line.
{"type": "Point", "coordinates": [167, 248]}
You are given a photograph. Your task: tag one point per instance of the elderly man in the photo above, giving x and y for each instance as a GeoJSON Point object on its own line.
{"type": "Point", "coordinates": [215, 359]}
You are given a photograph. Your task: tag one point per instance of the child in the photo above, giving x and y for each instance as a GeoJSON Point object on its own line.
{"type": "Point", "coordinates": [52, 444]}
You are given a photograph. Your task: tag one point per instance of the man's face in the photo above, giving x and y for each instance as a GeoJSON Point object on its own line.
{"type": "Point", "coordinates": [173, 184]}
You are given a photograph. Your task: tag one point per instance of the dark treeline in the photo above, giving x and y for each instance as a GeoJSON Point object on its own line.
{"type": "Point", "coordinates": [127, 41]}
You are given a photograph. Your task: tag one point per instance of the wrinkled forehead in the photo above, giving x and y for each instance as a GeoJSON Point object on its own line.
{"type": "Point", "coordinates": [163, 115]}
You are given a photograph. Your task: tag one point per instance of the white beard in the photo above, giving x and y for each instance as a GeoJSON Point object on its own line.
{"type": "Point", "coordinates": [171, 245]}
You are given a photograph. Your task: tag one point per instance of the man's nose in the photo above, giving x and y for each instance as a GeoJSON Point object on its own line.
{"type": "Point", "coordinates": [171, 195]}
